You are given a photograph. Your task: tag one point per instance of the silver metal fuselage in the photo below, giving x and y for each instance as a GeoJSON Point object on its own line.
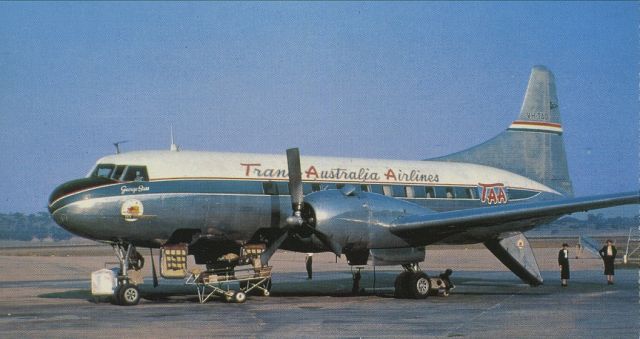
{"type": "Point", "coordinates": [234, 209]}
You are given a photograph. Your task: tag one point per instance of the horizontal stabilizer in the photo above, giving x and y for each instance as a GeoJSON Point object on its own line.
{"type": "Point", "coordinates": [514, 251]}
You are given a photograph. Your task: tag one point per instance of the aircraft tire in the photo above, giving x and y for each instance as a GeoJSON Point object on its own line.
{"type": "Point", "coordinates": [239, 297]}
{"type": "Point", "coordinates": [401, 285]}
{"type": "Point", "coordinates": [420, 285]}
{"type": "Point", "coordinates": [129, 295]}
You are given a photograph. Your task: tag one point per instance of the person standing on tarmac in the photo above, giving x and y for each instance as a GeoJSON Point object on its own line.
{"type": "Point", "coordinates": [563, 261]}
{"type": "Point", "coordinates": [608, 254]}
{"type": "Point", "coordinates": [308, 260]}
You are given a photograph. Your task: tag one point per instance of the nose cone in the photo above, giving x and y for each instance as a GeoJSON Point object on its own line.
{"type": "Point", "coordinates": [66, 208]}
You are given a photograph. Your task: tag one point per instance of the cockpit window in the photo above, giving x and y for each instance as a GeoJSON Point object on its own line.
{"type": "Point", "coordinates": [103, 170]}
{"type": "Point", "coordinates": [136, 173]}
{"type": "Point", "coordinates": [118, 172]}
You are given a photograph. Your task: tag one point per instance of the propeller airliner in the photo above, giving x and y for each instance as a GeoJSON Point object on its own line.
{"type": "Point", "coordinates": [217, 206]}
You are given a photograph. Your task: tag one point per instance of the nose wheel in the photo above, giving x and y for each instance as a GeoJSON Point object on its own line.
{"type": "Point", "coordinates": [127, 295]}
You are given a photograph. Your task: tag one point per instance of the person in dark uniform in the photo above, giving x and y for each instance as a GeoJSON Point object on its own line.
{"type": "Point", "coordinates": [308, 260]}
{"type": "Point", "coordinates": [563, 261]}
{"type": "Point", "coordinates": [608, 254]}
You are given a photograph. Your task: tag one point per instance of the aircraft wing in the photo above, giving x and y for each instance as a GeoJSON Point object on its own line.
{"type": "Point", "coordinates": [429, 228]}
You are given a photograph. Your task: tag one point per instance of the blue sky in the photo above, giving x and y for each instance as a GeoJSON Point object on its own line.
{"type": "Point", "coordinates": [382, 80]}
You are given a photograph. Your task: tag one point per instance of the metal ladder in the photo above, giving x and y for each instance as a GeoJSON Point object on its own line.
{"type": "Point", "coordinates": [632, 252]}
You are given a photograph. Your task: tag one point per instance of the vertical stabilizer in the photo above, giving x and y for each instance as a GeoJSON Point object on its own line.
{"type": "Point", "coordinates": [532, 146]}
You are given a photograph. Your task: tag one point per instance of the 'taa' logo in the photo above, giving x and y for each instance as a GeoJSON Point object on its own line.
{"type": "Point", "coordinates": [493, 194]}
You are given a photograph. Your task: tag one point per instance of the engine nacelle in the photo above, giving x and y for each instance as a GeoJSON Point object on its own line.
{"type": "Point", "coordinates": [357, 220]}
{"type": "Point", "coordinates": [397, 256]}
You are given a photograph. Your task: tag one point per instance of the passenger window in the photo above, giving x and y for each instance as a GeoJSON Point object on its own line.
{"type": "Point", "coordinates": [419, 192]}
{"type": "Point", "coordinates": [440, 192]}
{"type": "Point", "coordinates": [269, 188]}
{"type": "Point", "coordinates": [339, 186]}
{"type": "Point", "coordinates": [449, 193]}
{"type": "Point", "coordinates": [283, 188]}
{"type": "Point", "coordinates": [462, 193]}
{"type": "Point", "coordinates": [398, 191]}
{"type": "Point", "coordinates": [430, 192]}
{"type": "Point", "coordinates": [307, 188]}
{"type": "Point", "coordinates": [388, 191]}
{"type": "Point", "coordinates": [316, 187]}
{"type": "Point", "coordinates": [136, 173]}
{"type": "Point", "coordinates": [409, 191]}
{"type": "Point", "coordinates": [471, 192]}
{"type": "Point", "coordinates": [377, 189]}
{"type": "Point", "coordinates": [364, 188]}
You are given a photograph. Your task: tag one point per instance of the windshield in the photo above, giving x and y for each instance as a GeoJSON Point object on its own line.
{"type": "Point", "coordinates": [103, 170]}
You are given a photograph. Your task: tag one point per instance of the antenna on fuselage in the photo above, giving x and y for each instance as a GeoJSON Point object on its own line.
{"type": "Point", "coordinates": [174, 147]}
{"type": "Point", "coordinates": [117, 145]}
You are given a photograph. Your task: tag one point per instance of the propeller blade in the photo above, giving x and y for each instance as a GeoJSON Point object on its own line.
{"type": "Point", "coordinates": [335, 248]}
{"type": "Point", "coordinates": [153, 269]}
{"type": "Point", "coordinates": [268, 253]}
{"type": "Point", "coordinates": [295, 179]}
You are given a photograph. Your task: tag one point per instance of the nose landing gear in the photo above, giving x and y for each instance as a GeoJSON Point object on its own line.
{"type": "Point", "coordinates": [126, 292]}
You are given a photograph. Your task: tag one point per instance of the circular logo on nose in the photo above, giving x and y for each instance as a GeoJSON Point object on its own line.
{"type": "Point", "coordinates": [132, 209]}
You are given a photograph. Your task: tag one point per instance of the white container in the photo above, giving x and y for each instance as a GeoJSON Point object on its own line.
{"type": "Point", "coordinates": [103, 282]}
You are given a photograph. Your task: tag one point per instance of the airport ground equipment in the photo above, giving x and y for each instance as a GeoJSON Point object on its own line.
{"type": "Point", "coordinates": [253, 279]}
{"type": "Point", "coordinates": [632, 251]}
{"type": "Point", "coordinates": [218, 282]}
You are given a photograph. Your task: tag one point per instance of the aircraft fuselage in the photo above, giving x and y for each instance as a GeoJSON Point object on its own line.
{"type": "Point", "coordinates": [231, 196]}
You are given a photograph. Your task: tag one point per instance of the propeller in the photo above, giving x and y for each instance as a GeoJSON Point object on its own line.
{"type": "Point", "coordinates": [297, 201]}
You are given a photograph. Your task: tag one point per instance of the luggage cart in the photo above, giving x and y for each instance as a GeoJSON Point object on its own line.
{"type": "Point", "coordinates": [211, 283]}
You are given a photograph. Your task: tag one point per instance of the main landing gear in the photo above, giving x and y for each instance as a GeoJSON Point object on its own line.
{"type": "Point", "coordinates": [126, 292]}
{"type": "Point", "coordinates": [415, 284]}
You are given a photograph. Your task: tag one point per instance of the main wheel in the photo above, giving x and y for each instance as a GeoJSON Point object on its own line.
{"type": "Point", "coordinates": [129, 295]}
{"type": "Point", "coordinates": [420, 285]}
{"type": "Point", "coordinates": [239, 297]}
{"type": "Point", "coordinates": [401, 285]}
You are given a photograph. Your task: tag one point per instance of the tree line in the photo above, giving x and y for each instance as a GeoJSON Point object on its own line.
{"type": "Point", "coordinates": [39, 226]}
{"type": "Point", "coordinates": [27, 227]}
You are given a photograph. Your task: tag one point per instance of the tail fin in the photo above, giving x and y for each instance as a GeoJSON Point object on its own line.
{"type": "Point", "coordinates": [532, 146]}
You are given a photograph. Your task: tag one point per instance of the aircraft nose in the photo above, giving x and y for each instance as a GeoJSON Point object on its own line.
{"type": "Point", "coordinates": [71, 187]}
{"type": "Point", "coordinates": [70, 205]}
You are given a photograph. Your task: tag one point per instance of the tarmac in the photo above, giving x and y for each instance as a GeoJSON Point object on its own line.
{"type": "Point", "coordinates": [49, 296]}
